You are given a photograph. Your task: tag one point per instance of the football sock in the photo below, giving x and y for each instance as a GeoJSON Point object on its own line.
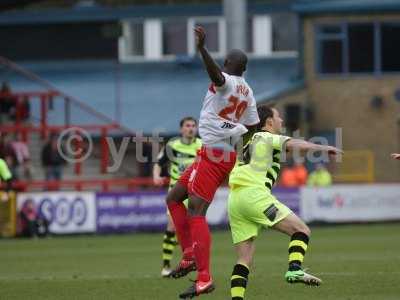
{"type": "Point", "coordinates": [201, 246]}
{"type": "Point", "coordinates": [239, 280]}
{"type": "Point", "coordinates": [168, 247]}
{"type": "Point", "coordinates": [181, 221]}
{"type": "Point", "coordinates": [297, 249]}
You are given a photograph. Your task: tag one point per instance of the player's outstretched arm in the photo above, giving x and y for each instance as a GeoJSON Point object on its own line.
{"type": "Point", "coordinates": [212, 67]}
{"type": "Point", "coordinates": [395, 155]}
{"type": "Point", "coordinates": [296, 144]}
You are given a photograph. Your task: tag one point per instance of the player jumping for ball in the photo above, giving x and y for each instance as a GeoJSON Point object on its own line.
{"type": "Point", "coordinates": [229, 106]}
{"type": "Point", "coordinates": [251, 205]}
{"type": "Point", "coordinates": [178, 154]}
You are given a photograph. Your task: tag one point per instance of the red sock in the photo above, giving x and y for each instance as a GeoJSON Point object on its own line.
{"type": "Point", "coordinates": [201, 246]}
{"type": "Point", "coordinates": [181, 221]}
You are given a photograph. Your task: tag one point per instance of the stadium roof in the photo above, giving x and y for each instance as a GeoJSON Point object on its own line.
{"type": "Point", "coordinates": [102, 13]}
{"type": "Point", "coordinates": [345, 6]}
{"type": "Point", "coordinates": [153, 95]}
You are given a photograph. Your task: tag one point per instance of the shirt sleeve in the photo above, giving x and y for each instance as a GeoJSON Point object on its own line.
{"type": "Point", "coordinates": [276, 141]}
{"type": "Point", "coordinates": [227, 86]}
{"type": "Point", "coordinates": [5, 173]}
{"type": "Point", "coordinates": [162, 158]}
{"type": "Point", "coordinates": [251, 115]}
{"type": "Point", "coordinates": [279, 141]}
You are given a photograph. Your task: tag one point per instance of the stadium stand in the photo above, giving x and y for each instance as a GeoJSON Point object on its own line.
{"type": "Point", "coordinates": [144, 87]}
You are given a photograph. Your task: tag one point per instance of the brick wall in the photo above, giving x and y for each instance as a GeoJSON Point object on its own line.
{"type": "Point", "coordinates": [346, 102]}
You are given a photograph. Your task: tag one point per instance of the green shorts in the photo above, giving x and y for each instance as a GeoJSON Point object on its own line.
{"type": "Point", "coordinates": [250, 209]}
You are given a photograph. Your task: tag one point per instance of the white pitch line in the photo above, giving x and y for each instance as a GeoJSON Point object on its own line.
{"type": "Point", "coordinates": [356, 273]}
{"type": "Point", "coordinates": [78, 277]}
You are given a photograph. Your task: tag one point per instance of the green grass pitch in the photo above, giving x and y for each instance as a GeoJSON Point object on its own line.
{"type": "Point", "coordinates": [355, 262]}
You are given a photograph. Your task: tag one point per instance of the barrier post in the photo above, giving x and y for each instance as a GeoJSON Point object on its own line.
{"type": "Point", "coordinates": [104, 151]}
{"type": "Point", "coordinates": [67, 109]}
{"type": "Point", "coordinates": [18, 111]}
{"type": "Point", "coordinates": [105, 186]}
{"type": "Point", "coordinates": [78, 150]}
{"type": "Point", "coordinates": [43, 116]}
{"type": "Point", "coordinates": [13, 213]}
{"type": "Point", "coordinates": [24, 134]}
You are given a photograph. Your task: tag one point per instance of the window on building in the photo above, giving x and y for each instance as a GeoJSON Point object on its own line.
{"type": "Point", "coordinates": [175, 38]}
{"type": "Point", "coordinates": [136, 39]}
{"type": "Point", "coordinates": [331, 44]}
{"type": "Point", "coordinates": [361, 48]}
{"type": "Point", "coordinates": [284, 32]}
{"type": "Point", "coordinates": [390, 47]}
{"type": "Point", "coordinates": [249, 41]}
{"type": "Point", "coordinates": [68, 41]}
{"type": "Point", "coordinates": [212, 29]}
{"type": "Point", "coordinates": [332, 56]}
{"type": "Point", "coordinates": [331, 29]}
{"type": "Point", "coordinates": [353, 48]}
{"type": "Point", "coordinates": [132, 41]}
{"type": "Point", "coordinates": [216, 31]}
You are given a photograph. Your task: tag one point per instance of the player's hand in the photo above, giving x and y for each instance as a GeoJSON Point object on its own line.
{"type": "Point", "coordinates": [158, 180]}
{"type": "Point", "coordinates": [333, 150]}
{"type": "Point", "coordinates": [395, 155]}
{"type": "Point", "coordinates": [200, 36]}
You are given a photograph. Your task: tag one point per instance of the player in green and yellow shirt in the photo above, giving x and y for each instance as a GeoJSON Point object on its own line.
{"type": "Point", "coordinates": [178, 154]}
{"type": "Point", "coordinates": [6, 181]}
{"type": "Point", "coordinates": [251, 205]}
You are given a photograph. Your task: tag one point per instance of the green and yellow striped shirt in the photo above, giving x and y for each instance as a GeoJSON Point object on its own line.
{"type": "Point", "coordinates": [179, 156]}
{"type": "Point", "coordinates": [259, 165]}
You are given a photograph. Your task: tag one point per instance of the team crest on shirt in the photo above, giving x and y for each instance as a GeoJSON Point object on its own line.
{"type": "Point", "coordinates": [271, 212]}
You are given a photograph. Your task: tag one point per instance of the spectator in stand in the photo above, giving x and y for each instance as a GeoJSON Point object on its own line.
{"type": "Point", "coordinates": [294, 175]}
{"type": "Point", "coordinates": [6, 180]}
{"type": "Point", "coordinates": [52, 160]}
{"type": "Point", "coordinates": [23, 110]}
{"type": "Point", "coordinates": [31, 223]}
{"type": "Point", "coordinates": [288, 177]}
{"type": "Point", "coordinates": [22, 159]}
{"type": "Point", "coordinates": [7, 102]}
{"type": "Point", "coordinates": [301, 173]}
{"type": "Point", "coordinates": [320, 177]}
{"type": "Point", "coordinates": [8, 154]}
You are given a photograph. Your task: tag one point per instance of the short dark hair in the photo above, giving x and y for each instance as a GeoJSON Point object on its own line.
{"type": "Point", "coordinates": [237, 60]}
{"type": "Point", "coordinates": [182, 122]}
{"type": "Point", "coordinates": [264, 112]}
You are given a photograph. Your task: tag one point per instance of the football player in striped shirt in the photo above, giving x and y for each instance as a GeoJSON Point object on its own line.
{"type": "Point", "coordinates": [252, 206]}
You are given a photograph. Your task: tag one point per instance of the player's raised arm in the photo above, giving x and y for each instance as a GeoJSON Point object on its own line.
{"type": "Point", "coordinates": [213, 70]}
{"type": "Point", "coordinates": [296, 144]}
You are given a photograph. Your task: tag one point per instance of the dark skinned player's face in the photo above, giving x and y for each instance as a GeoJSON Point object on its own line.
{"type": "Point", "coordinates": [189, 129]}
